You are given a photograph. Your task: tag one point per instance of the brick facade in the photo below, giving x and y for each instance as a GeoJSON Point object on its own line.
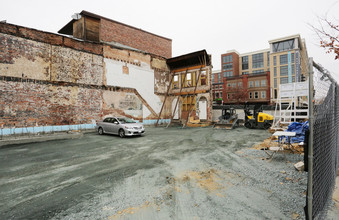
{"type": "Point", "coordinates": [32, 103]}
{"type": "Point", "coordinates": [111, 31]}
{"type": "Point", "coordinates": [48, 79]}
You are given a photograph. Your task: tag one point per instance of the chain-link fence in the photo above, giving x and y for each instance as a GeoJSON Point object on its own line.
{"type": "Point", "coordinates": [323, 150]}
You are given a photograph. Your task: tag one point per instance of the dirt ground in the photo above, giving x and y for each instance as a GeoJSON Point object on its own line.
{"type": "Point", "coordinates": [170, 173]}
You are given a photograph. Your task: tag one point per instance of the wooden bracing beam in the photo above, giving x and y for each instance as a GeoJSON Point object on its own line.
{"type": "Point", "coordinates": [191, 107]}
{"type": "Point", "coordinates": [163, 104]}
{"type": "Point", "coordinates": [176, 104]}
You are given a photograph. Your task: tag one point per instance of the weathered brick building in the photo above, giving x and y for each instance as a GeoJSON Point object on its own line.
{"type": "Point", "coordinates": [54, 82]}
{"type": "Point", "coordinates": [92, 27]}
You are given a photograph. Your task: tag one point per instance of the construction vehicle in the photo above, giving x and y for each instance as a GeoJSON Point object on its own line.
{"type": "Point", "coordinates": [228, 119]}
{"type": "Point", "coordinates": [257, 119]}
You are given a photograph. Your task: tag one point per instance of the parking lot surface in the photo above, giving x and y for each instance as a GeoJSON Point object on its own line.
{"type": "Point", "coordinates": [170, 173]}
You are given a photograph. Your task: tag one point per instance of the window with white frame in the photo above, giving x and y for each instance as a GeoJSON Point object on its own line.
{"type": "Point", "coordinates": [263, 94]}
{"type": "Point", "coordinates": [263, 82]}
{"type": "Point", "coordinates": [250, 95]}
{"type": "Point", "coordinates": [256, 95]}
{"type": "Point", "coordinates": [257, 83]}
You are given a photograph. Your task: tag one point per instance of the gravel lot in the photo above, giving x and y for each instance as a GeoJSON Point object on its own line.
{"type": "Point", "coordinates": [170, 173]}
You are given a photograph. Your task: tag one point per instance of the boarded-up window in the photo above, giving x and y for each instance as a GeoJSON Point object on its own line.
{"type": "Point", "coordinates": [125, 70]}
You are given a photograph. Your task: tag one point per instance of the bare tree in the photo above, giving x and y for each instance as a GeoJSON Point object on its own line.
{"type": "Point", "coordinates": [328, 33]}
{"type": "Point", "coordinates": [240, 94]}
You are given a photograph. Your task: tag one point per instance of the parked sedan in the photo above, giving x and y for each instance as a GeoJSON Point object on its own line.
{"type": "Point", "coordinates": [120, 126]}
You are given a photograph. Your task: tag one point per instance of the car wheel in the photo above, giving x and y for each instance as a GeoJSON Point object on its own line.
{"type": "Point", "coordinates": [101, 131]}
{"type": "Point", "coordinates": [121, 133]}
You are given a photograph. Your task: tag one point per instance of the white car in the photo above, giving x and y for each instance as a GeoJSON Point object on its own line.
{"type": "Point", "coordinates": [120, 126]}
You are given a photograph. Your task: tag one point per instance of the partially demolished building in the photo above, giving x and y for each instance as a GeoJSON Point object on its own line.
{"type": "Point", "coordinates": [53, 82]}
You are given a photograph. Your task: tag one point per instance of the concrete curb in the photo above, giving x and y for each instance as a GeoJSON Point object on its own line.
{"type": "Point", "coordinates": [41, 138]}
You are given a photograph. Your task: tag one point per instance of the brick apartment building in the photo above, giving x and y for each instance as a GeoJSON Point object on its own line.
{"type": "Point", "coordinates": [218, 84]}
{"type": "Point", "coordinates": [255, 77]}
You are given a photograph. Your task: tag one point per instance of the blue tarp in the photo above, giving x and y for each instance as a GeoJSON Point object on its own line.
{"type": "Point", "coordinates": [299, 129]}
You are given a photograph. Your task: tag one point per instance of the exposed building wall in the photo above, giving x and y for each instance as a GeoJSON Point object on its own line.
{"type": "Point", "coordinates": [124, 103]}
{"type": "Point", "coordinates": [70, 65]}
{"type": "Point", "coordinates": [111, 31]}
{"type": "Point", "coordinates": [24, 58]}
{"type": "Point", "coordinates": [40, 103]}
{"type": "Point", "coordinates": [140, 77]}
{"type": "Point", "coordinates": [48, 80]}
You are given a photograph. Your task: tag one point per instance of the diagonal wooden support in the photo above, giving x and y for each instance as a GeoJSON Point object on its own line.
{"type": "Point", "coordinates": [144, 102]}
{"type": "Point", "coordinates": [176, 104]}
{"type": "Point", "coordinates": [191, 108]}
{"type": "Point", "coordinates": [163, 104]}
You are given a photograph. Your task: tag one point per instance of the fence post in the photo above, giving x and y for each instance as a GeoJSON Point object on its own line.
{"type": "Point", "coordinates": [309, 201]}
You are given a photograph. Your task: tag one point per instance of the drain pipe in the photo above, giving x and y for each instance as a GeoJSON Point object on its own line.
{"type": "Point", "coordinates": [309, 214]}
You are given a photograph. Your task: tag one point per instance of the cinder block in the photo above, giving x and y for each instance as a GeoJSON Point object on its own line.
{"type": "Point", "coordinates": [299, 166]}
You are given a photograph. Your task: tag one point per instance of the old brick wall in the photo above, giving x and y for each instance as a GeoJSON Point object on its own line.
{"type": "Point", "coordinates": [46, 79]}
{"type": "Point", "coordinates": [24, 58]}
{"type": "Point", "coordinates": [111, 31]}
{"type": "Point", "coordinates": [39, 103]}
{"type": "Point", "coordinates": [75, 66]}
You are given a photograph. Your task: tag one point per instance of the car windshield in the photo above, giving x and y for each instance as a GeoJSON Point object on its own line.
{"type": "Point", "coordinates": [126, 120]}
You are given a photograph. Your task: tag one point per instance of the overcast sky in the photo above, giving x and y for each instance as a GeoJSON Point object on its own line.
{"type": "Point", "coordinates": [214, 25]}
